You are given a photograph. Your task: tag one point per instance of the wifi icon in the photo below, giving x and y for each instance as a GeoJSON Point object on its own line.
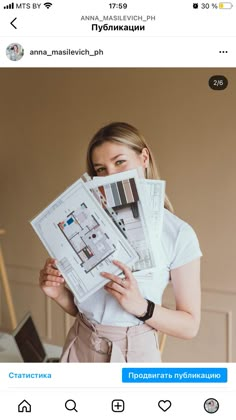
{"type": "Point", "coordinates": [47, 5]}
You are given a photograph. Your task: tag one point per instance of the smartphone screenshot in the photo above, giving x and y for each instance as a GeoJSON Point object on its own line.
{"type": "Point", "coordinates": [117, 205]}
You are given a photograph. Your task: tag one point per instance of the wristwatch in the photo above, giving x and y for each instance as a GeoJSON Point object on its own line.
{"type": "Point", "coordinates": [149, 312]}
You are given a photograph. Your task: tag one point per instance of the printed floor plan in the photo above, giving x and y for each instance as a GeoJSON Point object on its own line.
{"type": "Point", "coordinates": [86, 237]}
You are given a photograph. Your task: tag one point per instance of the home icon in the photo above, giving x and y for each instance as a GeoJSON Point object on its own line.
{"type": "Point", "coordinates": [24, 406]}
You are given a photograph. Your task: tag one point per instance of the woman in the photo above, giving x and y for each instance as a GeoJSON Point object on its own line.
{"type": "Point", "coordinates": [120, 321]}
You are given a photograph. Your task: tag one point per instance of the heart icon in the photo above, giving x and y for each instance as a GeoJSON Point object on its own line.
{"type": "Point", "coordinates": [164, 404]}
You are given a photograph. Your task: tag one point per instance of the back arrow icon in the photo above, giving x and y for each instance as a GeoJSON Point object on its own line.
{"type": "Point", "coordinates": [12, 23]}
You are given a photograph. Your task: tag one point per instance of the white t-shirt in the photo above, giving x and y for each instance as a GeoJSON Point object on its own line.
{"type": "Point", "coordinates": [179, 245]}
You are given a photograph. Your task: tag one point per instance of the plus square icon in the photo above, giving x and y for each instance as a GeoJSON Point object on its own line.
{"type": "Point", "coordinates": [118, 406]}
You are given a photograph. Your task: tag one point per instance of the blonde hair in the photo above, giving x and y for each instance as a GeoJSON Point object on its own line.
{"type": "Point", "coordinates": [126, 134]}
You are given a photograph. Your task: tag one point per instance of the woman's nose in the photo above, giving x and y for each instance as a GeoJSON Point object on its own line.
{"type": "Point", "coordinates": [111, 171]}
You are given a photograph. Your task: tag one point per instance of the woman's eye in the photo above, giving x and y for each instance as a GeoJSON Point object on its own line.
{"type": "Point", "coordinates": [99, 170]}
{"type": "Point", "coordinates": [119, 162]}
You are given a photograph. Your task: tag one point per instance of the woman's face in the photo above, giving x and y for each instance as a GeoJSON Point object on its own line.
{"type": "Point", "coordinates": [111, 158]}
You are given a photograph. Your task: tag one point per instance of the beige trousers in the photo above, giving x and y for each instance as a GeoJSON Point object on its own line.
{"type": "Point", "coordinates": [91, 342]}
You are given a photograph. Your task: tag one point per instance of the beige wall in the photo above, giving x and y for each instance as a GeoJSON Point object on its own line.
{"type": "Point", "coordinates": [47, 119]}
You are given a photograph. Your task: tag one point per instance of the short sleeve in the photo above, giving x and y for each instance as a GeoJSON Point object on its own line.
{"type": "Point", "coordinates": [186, 247]}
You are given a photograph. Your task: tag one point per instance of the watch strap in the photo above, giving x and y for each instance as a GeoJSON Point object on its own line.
{"type": "Point", "coordinates": [149, 312]}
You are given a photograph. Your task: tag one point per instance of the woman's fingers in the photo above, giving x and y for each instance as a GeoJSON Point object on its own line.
{"type": "Point", "coordinates": [51, 283]}
{"type": "Point", "coordinates": [50, 275]}
{"type": "Point", "coordinates": [115, 286]}
{"type": "Point", "coordinates": [53, 278]}
{"type": "Point", "coordinates": [51, 265]}
{"type": "Point", "coordinates": [53, 271]}
{"type": "Point", "coordinates": [126, 270]}
{"type": "Point", "coordinates": [113, 278]}
{"type": "Point", "coordinates": [117, 283]}
{"type": "Point", "coordinates": [50, 261]}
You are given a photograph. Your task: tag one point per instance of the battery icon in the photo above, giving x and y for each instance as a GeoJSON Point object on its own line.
{"type": "Point", "coordinates": [225, 5]}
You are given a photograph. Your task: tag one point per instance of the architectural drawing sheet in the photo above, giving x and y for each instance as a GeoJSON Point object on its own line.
{"type": "Point", "coordinates": [82, 237]}
{"type": "Point", "coordinates": [155, 196]}
{"type": "Point", "coordinates": [137, 206]}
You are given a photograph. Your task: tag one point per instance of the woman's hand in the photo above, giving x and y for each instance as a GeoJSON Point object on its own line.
{"type": "Point", "coordinates": [51, 281]}
{"type": "Point", "coordinates": [126, 290]}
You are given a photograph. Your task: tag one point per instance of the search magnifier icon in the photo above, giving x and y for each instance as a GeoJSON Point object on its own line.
{"type": "Point", "coordinates": [71, 405]}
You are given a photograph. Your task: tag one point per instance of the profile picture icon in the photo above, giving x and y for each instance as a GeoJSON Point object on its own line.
{"type": "Point", "coordinates": [211, 405]}
{"type": "Point", "coordinates": [14, 52]}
